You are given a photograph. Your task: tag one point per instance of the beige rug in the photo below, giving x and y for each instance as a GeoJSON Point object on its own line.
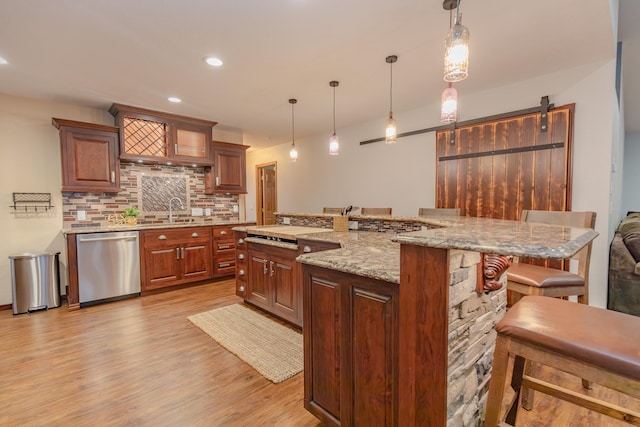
{"type": "Point", "coordinates": [272, 349]}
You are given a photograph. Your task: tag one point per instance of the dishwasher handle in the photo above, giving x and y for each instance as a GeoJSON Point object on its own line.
{"type": "Point", "coordinates": [102, 239]}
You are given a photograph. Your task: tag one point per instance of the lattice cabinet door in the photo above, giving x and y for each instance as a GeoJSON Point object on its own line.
{"type": "Point", "coordinates": [144, 138]}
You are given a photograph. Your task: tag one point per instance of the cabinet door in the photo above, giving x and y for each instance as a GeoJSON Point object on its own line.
{"type": "Point", "coordinates": [284, 287]}
{"type": "Point", "coordinates": [258, 280]}
{"type": "Point", "coordinates": [322, 345]}
{"type": "Point", "coordinates": [162, 266]}
{"type": "Point", "coordinates": [89, 157]}
{"type": "Point", "coordinates": [196, 260]}
{"type": "Point", "coordinates": [191, 143]}
{"type": "Point", "coordinates": [229, 174]}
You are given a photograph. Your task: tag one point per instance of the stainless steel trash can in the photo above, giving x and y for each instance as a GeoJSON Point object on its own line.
{"type": "Point", "coordinates": [35, 281]}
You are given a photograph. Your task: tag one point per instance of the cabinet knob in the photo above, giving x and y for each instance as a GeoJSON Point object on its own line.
{"type": "Point", "coordinates": [306, 249]}
{"type": "Point", "coordinates": [240, 241]}
{"type": "Point", "coordinates": [162, 237]}
{"type": "Point", "coordinates": [241, 273]}
{"type": "Point", "coordinates": [194, 234]}
{"type": "Point", "coordinates": [241, 288]}
{"type": "Point", "coordinates": [223, 233]}
{"type": "Point", "coordinates": [240, 256]}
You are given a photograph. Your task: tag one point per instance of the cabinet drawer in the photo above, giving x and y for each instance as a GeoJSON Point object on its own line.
{"type": "Point", "coordinates": [223, 232]}
{"type": "Point", "coordinates": [173, 235]}
{"type": "Point", "coordinates": [224, 245]}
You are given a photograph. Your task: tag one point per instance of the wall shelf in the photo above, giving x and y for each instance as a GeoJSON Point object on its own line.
{"type": "Point", "coordinates": [26, 202]}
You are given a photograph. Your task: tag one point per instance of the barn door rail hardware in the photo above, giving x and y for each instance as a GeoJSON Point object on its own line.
{"type": "Point", "coordinates": [36, 202]}
{"type": "Point", "coordinates": [543, 109]}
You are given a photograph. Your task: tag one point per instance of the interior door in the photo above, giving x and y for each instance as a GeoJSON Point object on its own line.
{"type": "Point", "coordinates": [267, 193]}
{"type": "Point", "coordinates": [269, 196]}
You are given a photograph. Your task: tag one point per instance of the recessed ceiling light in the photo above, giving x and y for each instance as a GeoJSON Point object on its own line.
{"type": "Point", "coordinates": [213, 61]}
{"type": "Point", "coordinates": [3, 61]}
{"type": "Point", "coordinates": [174, 99]}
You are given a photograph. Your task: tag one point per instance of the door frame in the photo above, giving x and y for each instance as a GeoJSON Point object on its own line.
{"type": "Point", "coordinates": [260, 191]}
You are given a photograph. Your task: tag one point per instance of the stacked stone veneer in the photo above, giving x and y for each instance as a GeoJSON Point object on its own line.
{"type": "Point", "coordinates": [364, 224]}
{"type": "Point", "coordinates": [162, 183]}
{"type": "Point", "coordinates": [472, 338]}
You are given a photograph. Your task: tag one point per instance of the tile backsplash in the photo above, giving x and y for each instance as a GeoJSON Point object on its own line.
{"type": "Point", "coordinates": [150, 188]}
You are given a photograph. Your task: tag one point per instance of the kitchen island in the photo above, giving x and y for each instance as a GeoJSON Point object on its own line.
{"type": "Point", "coordinates": [397, 333]}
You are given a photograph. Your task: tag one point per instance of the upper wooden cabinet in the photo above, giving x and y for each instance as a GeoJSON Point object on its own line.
{"type": "Point", "coordinates": [157, 137]}
{"type": "Point", "coordinates": [229, 172]}
{"type": "Point", "coordinates": [89, 157]}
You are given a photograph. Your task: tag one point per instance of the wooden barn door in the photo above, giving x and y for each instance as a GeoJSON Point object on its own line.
{"type": "Point", "coordinates": [495, 169]}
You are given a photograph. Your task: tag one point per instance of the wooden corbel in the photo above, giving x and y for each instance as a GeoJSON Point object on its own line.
{"type": "Point", "coordinates": [493, 267]}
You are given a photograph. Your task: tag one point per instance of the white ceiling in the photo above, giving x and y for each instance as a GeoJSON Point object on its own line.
{"type": "Point", "coordinates": [96, 52]}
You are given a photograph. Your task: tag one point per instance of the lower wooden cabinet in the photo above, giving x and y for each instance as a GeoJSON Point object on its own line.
{"type": "Point", "coordinates": [175, 256]}
{"type": "Point", "coordinates": [271, 281]}
{"type": "Point", "coordinates": [224, 251]}
{"type": "Point", "coordinates": [351, 331]}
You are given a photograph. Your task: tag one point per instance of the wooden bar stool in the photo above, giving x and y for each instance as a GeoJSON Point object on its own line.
{"type": "Point", "coordinates": [526, 279]}
{"type": "Point", "coordinates": [599, 345]}
{"type": "Point", "coordinates": [375, 211]}
{"type": "Point", "coordinates": [438, 211]}
{"type": "Point", "coordinates": [337, 211]}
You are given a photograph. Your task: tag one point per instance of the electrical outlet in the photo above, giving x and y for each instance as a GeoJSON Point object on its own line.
{"type": "Point", "coordinates": [353, 225]}
{"type": "Point", "coordinates": [207, 211]}
{"type": "Point", "coordinates": [286, 220]}
{"type": "Point", "coordinates": [82, 215]}
{"type": "Point", "coordinates": [235, 209]}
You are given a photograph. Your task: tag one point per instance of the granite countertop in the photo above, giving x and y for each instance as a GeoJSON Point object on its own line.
{"type": "Point", "coordinates": [503, 237]}
{"type": "Point", "coordinates": [140, 227]}
{"type": "Point", "coordinates": [364, 253]}
{"type": "Point", "coordinates": [377, 255]}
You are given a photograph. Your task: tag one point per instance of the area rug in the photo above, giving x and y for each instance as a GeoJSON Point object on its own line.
{"type": "Point", "coordinates": [270, 348]}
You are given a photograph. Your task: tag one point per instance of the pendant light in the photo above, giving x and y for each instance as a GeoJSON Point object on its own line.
{"type": "Point", "coordinates": [293, 153]}
{"type": "Point", "coordinates": [449, 105]}
{"type": "Point", "coordinates": [391, 128]}
{"type": "Point", "coordinates": [456, 53]}
{"type": "Point", "coordinates": [334, 145]}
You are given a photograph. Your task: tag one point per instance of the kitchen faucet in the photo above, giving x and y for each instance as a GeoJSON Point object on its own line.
{"type": "Point", "coordinates": [170, 209]}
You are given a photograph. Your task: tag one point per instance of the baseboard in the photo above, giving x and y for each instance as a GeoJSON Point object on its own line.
{"type": "Point", "coordinates": [6, 307]}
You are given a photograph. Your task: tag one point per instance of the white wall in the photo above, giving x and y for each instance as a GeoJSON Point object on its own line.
{"type": "Point", "coordinates": [403, 175]}
{"type": "Point", "coordinates": [631, 170]}
{"type": "Point", "coordinates": [30, 163]}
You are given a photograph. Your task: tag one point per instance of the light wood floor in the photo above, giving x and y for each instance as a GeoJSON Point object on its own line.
{"type": "Point", "coordinates": [140, 362]}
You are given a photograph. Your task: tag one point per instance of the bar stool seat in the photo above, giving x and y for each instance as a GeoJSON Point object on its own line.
{"type": "Point", "coordinates": [542, 277]}
{"type": "Point", "coordinates": [598, 345]}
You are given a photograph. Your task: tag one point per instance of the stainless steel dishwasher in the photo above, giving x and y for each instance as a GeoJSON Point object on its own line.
{"type": "Point", "coordinates": [108, 266]}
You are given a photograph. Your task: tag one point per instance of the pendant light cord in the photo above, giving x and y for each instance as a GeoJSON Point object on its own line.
{"type": "Point", "coordinates": [293, 127]}
{"type": "Point", "coordinates": [391, 88]}
{"type": "Point", "coordinates": [334, 110]}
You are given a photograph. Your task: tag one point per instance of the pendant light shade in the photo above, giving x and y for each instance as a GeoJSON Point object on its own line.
{"type": "Point", "coordinates": [391, 127]}
{"type": "Point", "coordinates": [293, 153]}
{"type": "Point", "coordinates": [449, 105]}
{"type": "Point", "coordinates": [334, 145]}
{"type": "Point", "coordinates": [456, 53]}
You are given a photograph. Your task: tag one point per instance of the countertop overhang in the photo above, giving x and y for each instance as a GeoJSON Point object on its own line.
{"type": "Point", "coordinates": [503, 237]}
